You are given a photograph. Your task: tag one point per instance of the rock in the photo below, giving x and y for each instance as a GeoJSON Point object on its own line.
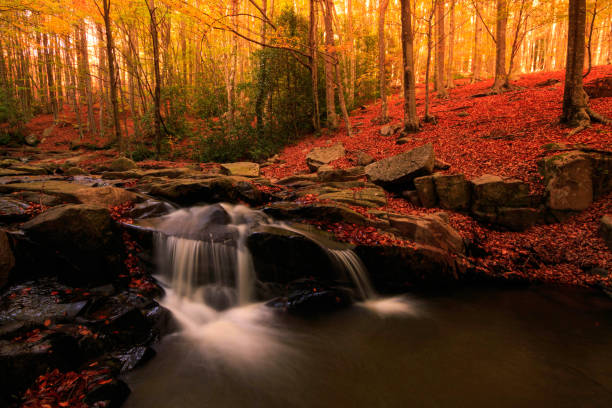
{"type": "Point", "coordinates": [243, 169]}
{"type": "Point", "coordinates": [308, 298]}
{"type": "Point", "coordinates": [112, 393]}
{"type": "Point", "coordinates": [440, 164]}
{"type": "Point", "coordinates": [7, 259]}
{"type": "Point", "coordinates": [605, 229]}
{"type": "Point", "coordinates": [328, 173]}
{"type": "Point", "coordinates": [363, 197]}
{"type": "Point", "coordinates": [122, 175]}
{"type": "Point", "coordinates": [317, 211]}
{"type": "Point", "coordinates": [389, 130]}
{"type": "Point", "coordinates": [213, 190]}
{"type": "Point", "coordinates": [150, 209]}
{"type": "Point", "coordinates": [11, 173]}
{"type": "Point", "coordinates": [403, 140]}
{"type": "Point", "coordinates": [491, 191]}
{"type": "Point", "coordinates": [426, 190]}
{"type": "Point", "coordinates": [569, 181]}
{"type": "Point", "coordinates": [413, 197]}
{"type": "Point", "coordinates": [517, 219]}
{"type": "Point", "coordinates": [122, 164]}
{"type": "Point", "coordinates": [8, 163]}
{"type": "Point", "coordinates": [453, 191]}
{"type": "Point", "coordinates": [12, 210]}
{"type": "Point", "coordinates": [429, 230]}
{"type": "Point", "coordinates": [398, 172]}
{"type": "Point", "coordinates": [299, 180]}
{"type": "Point", "coordinates": [26, 169]}
{"type": "Point", "coordinates": [324, 155]}
{"type": "Point", "coordinates": [83, 235]}
{"type": "Point", "coordinates": [599, 88]}
{"type": "Point", "coordinates": [31, 140]}
{"type": "Point", "coordinates": [76, 193]}
{"type": "Point", "coordinates": [37, 198]}
{"type": "Point", "coordinates": [396, 268]}
{"type": "Point", "coordinates": [75, 171]}
{"type": "Point", "coordinates": [363, 159]}
{"type": "Point", "coordinates": [48, 131]}
{"type": "Point", "coordinates": [602, 173]}
{"type": "Point", "coordinates": [282, 256]}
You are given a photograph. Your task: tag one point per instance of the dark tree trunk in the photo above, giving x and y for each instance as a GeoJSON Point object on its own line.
{"type": "Point", "coordinates": [112, 75]}
{"type": "Point", "coordinates": [330, 60]}
{"type": "Point", "coordinates": [574, 98]}
{"type": "Point", "coordinates": [411, 120]}
{"type": "Point", "coordinates": [314, 65]}
{"type": "Point", "coordinates": [382, 81]}
{"type": "Point", "coordinates": [501, 77]}
{"type": "Point", "coordinates": [156, 73]}
{"type": "Point", "coordinates": [440, 50]}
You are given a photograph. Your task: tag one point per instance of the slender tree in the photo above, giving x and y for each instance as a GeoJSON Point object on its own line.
{"type": "Point", "coordinates": [411, 120]}
{"type": "Point", "coordinates": [382, 80]}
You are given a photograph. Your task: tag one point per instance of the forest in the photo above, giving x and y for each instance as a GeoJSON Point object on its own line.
{"type": "Point", "coordinates": [305, 203]}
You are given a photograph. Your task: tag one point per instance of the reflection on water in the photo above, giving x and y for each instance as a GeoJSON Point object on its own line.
{"type": "Point", "coordinates": [513, 348]}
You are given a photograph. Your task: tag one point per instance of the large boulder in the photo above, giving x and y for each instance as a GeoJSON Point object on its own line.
{"type": "Point", "coordinates": [324, 155]}
{"type": "Point", "coordinates": [426, 190]}
{"type": "Point", "coordinates": [318, 212]}
{"type": "Point", "coordinates": [84, 237]}
{"type": "Point", "coordinates": [327, 173]}
{"type": "Point", "coordinates": [491, 191]}
{"type": "Point", "coordinates": [76, 193]}
{"type": "Point", "coordinates": [7, 259]}
{"type": "Point", "coordinates": [363, 158]}
{"type": "Point", "coordinates": [398, 172]}
{"type": "Point", "coordinates": [599, 88]}
{"type": "Point", "coordinates": [569, 181]}
{"type": "Point", "coordinates": [242, 169]}
{"type": "Point", "coordinates": [429, 230]}
{"type": "Point", "coordinates": [12, 210]}
{"type": "Point", "coordinates": [606, 230]}
{"type": "Point", "coordinates": [453, 191]}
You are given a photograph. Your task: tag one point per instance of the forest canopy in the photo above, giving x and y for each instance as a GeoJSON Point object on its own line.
{"type": "Point", "coordinates": [241, 78]}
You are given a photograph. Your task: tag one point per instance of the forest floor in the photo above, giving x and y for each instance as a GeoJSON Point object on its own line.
{"type": "Point", "coordinates": [498, 134]}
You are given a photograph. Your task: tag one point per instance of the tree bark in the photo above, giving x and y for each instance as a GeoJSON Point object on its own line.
{"type": "Point", "coordinates": [153, 26]}
{"type": "Point", "coordinates": [476, 51]}
{"type": "Point", "coordinates": [501, 77]}
{"type": "Point", "coordinates": [330, 60]}
{"type": "Point", "coordinates": [314, 64]}
{"type": "Point", "coordinates": [450, 82]}
{"type": "Point", "coordinates": [440, 77]}
{"type": "Point", "coordinates": [263, 74]}
{"type": "Point", "coordinates": [411, 120]}
{"type": "Point", "coordinates": [382, 80]}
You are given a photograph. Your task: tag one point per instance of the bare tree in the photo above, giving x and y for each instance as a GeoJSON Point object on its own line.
{"type": "Point", "coordinates": [411, 120]}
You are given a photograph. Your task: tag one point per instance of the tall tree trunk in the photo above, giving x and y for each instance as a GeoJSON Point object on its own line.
{"type": "Point", "coordinates": [330, 60]}
{"type": "Point", "coordinates": [501, 77]}
{"type": "Point", "coordinates": [157, 78]}
{"type": "Point", "coordinates": [450, 82]}
{"type": "Point", "coordinates": [382, 80]}
{"type": "Point", "coordinates": [262, 85]}
{"type": "Point", "coordinates": [428, 117]}
{"type": "Point", "coordinates": [574, 98]}
{"type": "Point", "coordinates": [352, 56]}
{"type": "Point", "coordinates": [112, 75]}
{"type": "Point", "coordinates": [476, 51]}
{"type": "Point", "coordinates": [85, 75]}
{"type": "Point", "coordinates": [314, 64]}
{"type": "Point", "coordinates": [411, 120]}
{"type": "Point", "coordinates": [50, 81]}
{"type": "Point", "coordinates": [440, 50]}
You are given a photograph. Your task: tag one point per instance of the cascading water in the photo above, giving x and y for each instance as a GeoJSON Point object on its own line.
{"type": "Point", "coordinates": [202, 255]}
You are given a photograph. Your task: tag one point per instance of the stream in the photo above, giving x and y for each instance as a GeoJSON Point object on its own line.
{"type": "Point", "coordinates": [463, 348]}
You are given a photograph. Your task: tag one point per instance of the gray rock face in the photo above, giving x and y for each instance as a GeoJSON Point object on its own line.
{"type": "Point", "coordinates": [605, 229]}
{"type": "Point", "coordinates": [85, 236]}
{"type": "Point", "coordinates": [324, 155]}
{"type": "Point", "coordinates": [453, 191]}
{"type": "Point", "coordinates": [493, 191]}
{"type": "Point", "coordinates": [363, 159]}
{"type": "Point", "coordinates": [7, 259]}
{"type": "Point", "coordinates": [328, 173]}
{"type": "Point", "coordinates": [429, 230]}
{"type": "Point", "coordinates": [569, 181]}
{"type": "Point", "coordinates": [398, 172]}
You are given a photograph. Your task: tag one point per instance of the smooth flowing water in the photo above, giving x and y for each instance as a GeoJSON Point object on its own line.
{"type": "Point", "coordinates": [470, 348]}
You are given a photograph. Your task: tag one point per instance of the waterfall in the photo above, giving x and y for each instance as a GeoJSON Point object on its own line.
{"type": "Point", "coordinates": [202, 255]}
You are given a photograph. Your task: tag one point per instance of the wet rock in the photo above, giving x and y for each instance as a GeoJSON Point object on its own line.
{"type": "Point", "coordinates": [426, 191]}
{"type": "Point", "coordinates": [133, 357]}
{"type": "Point", "coordinates": [396, 268]}
{"type": "Point", "coordinates": [12, 210]}
{"type": "Point", "coordinates": [85, 236]}
{"type": "Point", "coordinates": [37, 198]}
{"type": "Point", "coordinates": [282, 256]}
{"type": "Point", "coordinates": [398, 172]}
{"type": "Point", "coordinates": [150, 209]}
{"type": "Point", "coordinates": [430, 230]}
{"type": "Point", "coordinates": [307, 298]}
{"type": "Point", "coordinates": [7, 259]}
{"type": "Point", "coordinates": [111, 394]}
{"type": "Point", "coordinates": [122, 164]}
{"type": "Point", "coordinates": [453, 191]}
{"type": "Point", "coordinates": [324, 155]}
{"type": "Point", "coordinates": [299, 180]}
{"type": "Point", "coordinates": [362, 195]}
{"type": "Point", "coordinates": [27, 169]}
{"type": "Point", "coordinates": [11, 173]}
{"type": "Point", "coordinates": [242, 169]}
{"type": "Point", "coordinates": [327, 173]}
{"type": "Point", "coordinates": [317, 211]}
{"type": "Point", "coordinates": [4, 163]}
{"type": "Point", "coordinates": [569, 181]}
{"type": "Point", "coordinates": [605, 228]}
{"type": "Point", "coordinates": [363, 158]}
{"type": "Point", "coordinates": [75, 171]}
{"type": "Point", "coordinates": [76, 193]}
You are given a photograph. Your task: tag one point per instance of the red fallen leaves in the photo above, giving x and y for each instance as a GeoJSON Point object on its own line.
{"type": "Point", "coordinates": [360, 235]}
{"type": "Point", "coordinates": [57, 389]}
{"type": "Point", "coordinates": [118, 212]}
{"type": "Point", "coordinates": [34, 209]}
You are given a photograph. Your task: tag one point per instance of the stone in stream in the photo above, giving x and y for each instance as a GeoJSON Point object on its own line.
{"type": "Point", "coordinates": [309, 297]}
{"type": "Point", "coordinates": [398, 172]}
{"type": "Point", "coordinates": [12, 210]}
{"type": "Point", "coordinates": [324, 155]}
{"type": "Point", "coordinates": [242, 169]}
{"type": "Point", "coordinates": [605, 228]}
{"type": "Point", "coordinates": [85, 240]}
